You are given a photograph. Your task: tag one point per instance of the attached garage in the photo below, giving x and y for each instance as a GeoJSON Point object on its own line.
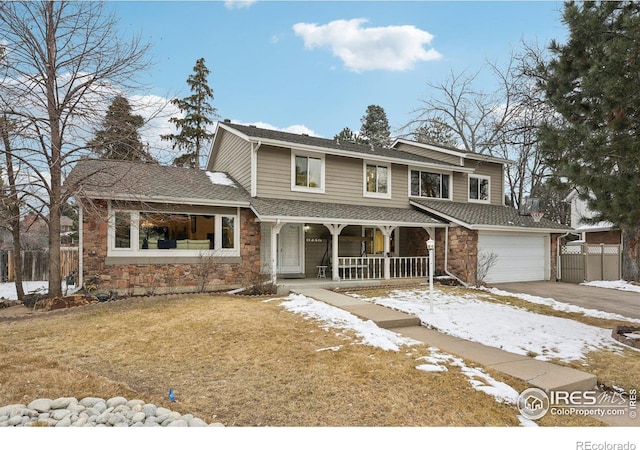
{"type": "Point", "coordinates": [520, 256]}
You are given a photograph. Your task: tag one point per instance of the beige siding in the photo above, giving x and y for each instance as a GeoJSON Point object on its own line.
{"type": "Point", "coordinates": [343, 180]}
{"type": "Point", "coordinates": [461, 183]}
{"type": "Point", "coordinates": [495, 171]}
{"type": "Point", "coordinates": [433, 154]}
{"type": "Point", "coordinates": [234, 157]}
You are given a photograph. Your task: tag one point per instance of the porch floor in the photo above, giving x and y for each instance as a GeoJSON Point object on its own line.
{"type": "Point", "coordinates": [286, 286]}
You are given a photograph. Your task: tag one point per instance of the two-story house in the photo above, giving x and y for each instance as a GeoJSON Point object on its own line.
{"type": "Point", "coordinates": [294, 206]}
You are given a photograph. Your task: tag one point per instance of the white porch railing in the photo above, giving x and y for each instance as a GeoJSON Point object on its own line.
{"type": "Point", "coordinates": [372, 267]}
{"type": "Point", "coordinates": [409, 267]}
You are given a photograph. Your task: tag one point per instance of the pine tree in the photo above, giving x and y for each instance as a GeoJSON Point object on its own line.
{"type": "Point", "coordinates": [346, 135]}
{"type": "Point", "coordinates": [375, 126]}
{"type": "Point", "coordinates": [592, 82]}
{"type": "Point", "coordinates": [119, 137]}
{"type": "Point", "coordinates": [198, 115]}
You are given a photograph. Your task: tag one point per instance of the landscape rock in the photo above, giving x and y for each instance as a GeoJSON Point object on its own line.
{"type": "Point", "coordinates": [95, 412]}
{"type": "Point", "coordinates": [40, 405]}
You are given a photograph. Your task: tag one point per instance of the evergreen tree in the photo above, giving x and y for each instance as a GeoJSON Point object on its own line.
{"type": "Point", "coordinates": [375, 126]}
{"type": "Point", "coordinates": [119, 137]}
{"type": "Point", "coordinates": [436, 133]}
{"type": "Point", "coordinates": [592, 82]}
{"type": "Point", "coordinates": [346, 135]}
{"type": "Point", "coordinates": [198, 115]}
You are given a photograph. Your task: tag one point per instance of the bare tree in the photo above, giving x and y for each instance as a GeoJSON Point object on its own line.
{"type": "Point", "coordinates": [501, 123]}
{"type": "Point", "coordinates": [61, 59]}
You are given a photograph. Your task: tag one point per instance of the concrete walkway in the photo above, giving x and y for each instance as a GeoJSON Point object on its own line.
{"type": "Point", "coordinates": [540, 374]}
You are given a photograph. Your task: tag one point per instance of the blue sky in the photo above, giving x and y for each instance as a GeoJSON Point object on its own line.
{"type": "Point", "coordinates": [317, 65]}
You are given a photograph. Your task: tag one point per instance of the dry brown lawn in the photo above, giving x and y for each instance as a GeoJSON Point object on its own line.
{"type": "Point", "coordinates": [242, 362]}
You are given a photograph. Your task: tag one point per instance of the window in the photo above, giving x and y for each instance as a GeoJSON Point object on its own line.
{"type": "Point", "coordinates": [377, 181]}
{"type": "Point", "coordinates": [228, 232]}
{"type": "Point", "coordinates": [308, 173]}
{"type": "Point", "coordinates": [182, 234]}
{"type": "Point", "coordinates": [429, 184]}
{"type": "Point", "coordinates": [479, 189]}
{"type": "Point", "coordinates": [163, 231]}
{"type": "Point", "coordinates": [122, 229]}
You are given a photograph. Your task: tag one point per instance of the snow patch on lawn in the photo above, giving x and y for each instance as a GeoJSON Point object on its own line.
{"type": "Point", "coordinates": [502, 326]}
{"type": "Point", "coordinates": [331, 317]}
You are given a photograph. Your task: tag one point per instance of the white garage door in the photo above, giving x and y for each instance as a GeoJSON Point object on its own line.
{"type": "Point", "coordinates": [519, 257]}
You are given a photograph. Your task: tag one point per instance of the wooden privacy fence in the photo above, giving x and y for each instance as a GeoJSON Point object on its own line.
{"type": "Point", "coordinates": [35, 264]}
{"type": "Point", "coordinates": [589, 262]}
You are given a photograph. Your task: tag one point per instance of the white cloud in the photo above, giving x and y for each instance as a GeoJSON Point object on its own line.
{"type": "Point", "coordinates": [395, 48]}
{"type": "Point", "coordinates": [238, 4]}
{"type": "Point", "coordinates": [295, 129]}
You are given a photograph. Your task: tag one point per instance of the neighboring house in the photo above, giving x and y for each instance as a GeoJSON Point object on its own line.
{"type": "Point", "coordinates": [591, 233]}
{"type": "Point", "coordinates": [293, 206]}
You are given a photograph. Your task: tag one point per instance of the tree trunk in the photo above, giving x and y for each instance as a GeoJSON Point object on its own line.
{"type": "Point", "coordinates": [13, 208]}
{"type": "Point", "coordinates": [631, 254]}
{"type": "Point", "coordinates": [55, 164]}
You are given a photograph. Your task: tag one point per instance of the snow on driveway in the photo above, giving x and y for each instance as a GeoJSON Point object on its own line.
{"type": "Point", "coordinates": [620, 285]}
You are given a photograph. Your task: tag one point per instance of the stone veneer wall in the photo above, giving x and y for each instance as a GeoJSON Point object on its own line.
{"type": "Point", "coordinates": [168, 275]}
{"type": "Point", "coordinates": [463, 250]}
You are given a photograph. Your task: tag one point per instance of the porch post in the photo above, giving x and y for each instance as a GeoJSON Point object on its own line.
{"type": "Point", "coordinates": [431, 232]}
{"type": "Point", "coordinates": [275, 230]}
{"type": "Point", "coordinates": [386, 232]}
{"type": "Point", "coordinates": [335, 230]}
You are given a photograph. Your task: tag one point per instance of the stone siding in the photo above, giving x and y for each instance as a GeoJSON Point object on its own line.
{"type": "Point", "coordinates": [168, 274]}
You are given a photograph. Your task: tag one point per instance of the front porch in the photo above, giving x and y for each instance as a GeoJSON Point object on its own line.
{"type": "Point", "coordinates": [339, 254]}
{"type": "Point", "coordinates": [287, 285]}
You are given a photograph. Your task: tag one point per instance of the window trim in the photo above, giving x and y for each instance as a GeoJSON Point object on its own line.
{"type": "Point", "coordinates": [294, 186]}
{"type": "Point", "coordinates": [136, 251]}
{"type": "Point", "coordinates": [438, 172]}
{"type": "Point", "coordinates": [479, 177]}
{"type": "Point", "coordinates": [365, 192]}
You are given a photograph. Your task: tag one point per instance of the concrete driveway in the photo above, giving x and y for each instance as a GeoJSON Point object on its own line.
{"type": "Point", "coordinates": [609, 300]}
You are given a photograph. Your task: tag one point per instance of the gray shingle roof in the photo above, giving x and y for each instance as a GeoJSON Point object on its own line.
{"type": "Point", "coordinates": [331, 144]}
{"type": "Point", "coordinates": [330, 212]}
{"type": "Point", "coordinates": [111, 179]}
{"type": "Point", "coordinates": [479, 215]}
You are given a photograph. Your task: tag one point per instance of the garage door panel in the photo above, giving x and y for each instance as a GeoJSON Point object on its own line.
{"type": "Point", "coordinates": [519, 257]}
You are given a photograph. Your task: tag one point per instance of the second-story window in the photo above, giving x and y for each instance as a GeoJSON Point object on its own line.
{"type": "Point", "coordinates": [429, 184]}
{"type": "Point", "coordinates": [478, 189]}
{"type": "Point", "coordinates": [308, 173]}
{"type": "Point", "coordinates": [376, 180]}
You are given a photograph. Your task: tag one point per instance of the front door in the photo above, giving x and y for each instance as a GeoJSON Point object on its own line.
{"type": "Point", "coordinates": [290, 249]}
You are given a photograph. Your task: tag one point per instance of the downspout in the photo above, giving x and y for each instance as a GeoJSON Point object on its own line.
{"type": "Point", "coordinates": [446, 258]}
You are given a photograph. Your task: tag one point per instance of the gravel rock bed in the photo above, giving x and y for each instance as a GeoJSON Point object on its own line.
{"type": "Point", "coordinates": [95, 412]}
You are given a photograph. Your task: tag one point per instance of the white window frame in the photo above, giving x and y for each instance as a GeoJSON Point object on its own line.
{"type": "Point", "coordinates": [294, 186]}
{"type": "Point", "coordinates": [365, 192]}
{"type": "Point", "coordinates": [134, 250]}
{"type": "Point", "coordinates": [441, 173]}
{"type": "Point", "coordinates": [479, 178]}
